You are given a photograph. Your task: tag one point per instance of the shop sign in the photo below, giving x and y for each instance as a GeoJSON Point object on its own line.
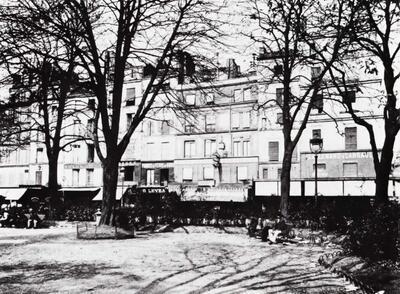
{"type": "Point", "coordinates": [343, 155]}
{"type": "Point", "coordinates": [157, 165]}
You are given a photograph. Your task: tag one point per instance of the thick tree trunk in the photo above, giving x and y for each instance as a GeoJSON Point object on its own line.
{"type": "Point", "coordinates": [285, 183]}
{"type": "Point", "coordinates": [54, 202]}
{"type": "Point", "coordinates": [110, 181]}
{"type": "Point", "coordinates": [383, 170]}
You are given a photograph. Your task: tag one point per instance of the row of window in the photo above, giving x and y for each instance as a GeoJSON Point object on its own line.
{"type": "Point", "coordinates": [350, 137]}
{"type": "Point", "coordinates": [209, 173]}
{"type": "Point", "coordinates": [162, 151]}
{"type": "Point", "coordinates": [76, 177]}
{"type": "Point", "coordinates": [240, 148]}
{"type": "Point", "coordinates": [238, 95]}
{"type": "Point", "coordinates": [348, 96]}
{"type": "Point", "coordinates": [240, 120]}
{"type": "Point", "coordinates": [150, 127]}
{"type": "Point", "coordinates": [350, 169]}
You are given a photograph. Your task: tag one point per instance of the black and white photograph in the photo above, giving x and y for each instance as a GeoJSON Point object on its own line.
{"type": "Point", "coordinates": [200, 146]}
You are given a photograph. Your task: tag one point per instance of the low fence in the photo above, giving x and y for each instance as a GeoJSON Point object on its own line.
{"type": "Point", "coordinates": [92, 231]}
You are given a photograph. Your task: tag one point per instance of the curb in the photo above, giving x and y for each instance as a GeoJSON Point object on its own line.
{"type": "Point", "coordinates": [363, 287]}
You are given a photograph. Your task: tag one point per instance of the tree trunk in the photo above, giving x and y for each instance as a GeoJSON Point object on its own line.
{"type": "Point", "coordinates": [110, 181]}
{"type": "Point", "coordinates": [384, 169]}
{"type": "Point", "coordinates": [285, 183]}
{"type": "Point", "coordinates": [54, 202]}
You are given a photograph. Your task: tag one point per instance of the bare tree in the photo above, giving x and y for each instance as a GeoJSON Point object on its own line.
{"type": "Point", "coordinates": [44, 79]}
{"type": "Point", "coordinates": [114, 33]}
{"type": "Point", "coordinates": [376, 32]}
{"type": "Point", "coordinates": [291, 32]}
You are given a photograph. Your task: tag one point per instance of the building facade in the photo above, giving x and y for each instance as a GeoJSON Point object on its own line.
{"type": "Point", "coordinates": [220, 136]}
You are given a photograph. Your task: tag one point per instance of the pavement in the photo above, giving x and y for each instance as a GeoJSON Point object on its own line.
{"type": "Point", "coordinates": [54, 261]}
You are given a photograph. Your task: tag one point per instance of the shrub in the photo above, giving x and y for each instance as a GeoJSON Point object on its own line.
{"type": "Point", "coordinates": [124, 218]}
{"type": "Point", "coordinates": [374, 235]}
{"type": "Point", "coordinates": [79, 213]}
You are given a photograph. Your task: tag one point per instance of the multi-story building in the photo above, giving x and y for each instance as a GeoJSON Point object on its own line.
{"type": "Point", "coordinates": [218, 137]}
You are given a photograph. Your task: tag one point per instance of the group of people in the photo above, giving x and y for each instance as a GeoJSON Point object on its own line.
{"type": "Point", "coordinates": [269, 231]}
{"type": "Point", "coordinates": [14, 217]}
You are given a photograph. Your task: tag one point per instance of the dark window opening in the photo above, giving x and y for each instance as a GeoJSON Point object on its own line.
{"type": "Point", "coordinates": [265, 173]}
{"type": "Point", "coordinates": [129, 173]}
{"type": "Point", "coordinates": [316, 133]}
{"type": "Point", "coordinates": [90, 155]}
{"type": "Point", "coordinates": [164, 176]}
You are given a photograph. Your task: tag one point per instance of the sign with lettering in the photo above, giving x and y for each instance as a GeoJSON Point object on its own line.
{"type": "Point", "coordinates": [345, 155]}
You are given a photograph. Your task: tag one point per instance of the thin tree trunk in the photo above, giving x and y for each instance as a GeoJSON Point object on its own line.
{"type": "Point", "coordinates": [110, 181]}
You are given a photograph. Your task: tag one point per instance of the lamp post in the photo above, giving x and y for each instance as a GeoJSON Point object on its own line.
{"type": "Point", "coordinates": [122, 170]}
{"type": "Point", "coordinates": [316, 145]}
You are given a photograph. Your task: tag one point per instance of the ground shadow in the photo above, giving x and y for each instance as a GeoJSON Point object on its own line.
{"type": "Point", "coordinates": [25, 276]}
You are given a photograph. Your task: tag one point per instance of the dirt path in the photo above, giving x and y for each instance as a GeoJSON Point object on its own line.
{"type": "Point", "coordinates": [47, 262]}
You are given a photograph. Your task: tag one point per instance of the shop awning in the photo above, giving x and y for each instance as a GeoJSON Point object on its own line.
{"type": "Point", "coordinates": [12, 194]}
{"type": "Point", "coordinates": [118, 195]}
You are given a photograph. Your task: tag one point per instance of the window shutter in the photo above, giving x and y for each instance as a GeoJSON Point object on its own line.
{"type": "Point", "coordinates": [350, 138]}
{"type": "Point", "coordinates": [273, 151]}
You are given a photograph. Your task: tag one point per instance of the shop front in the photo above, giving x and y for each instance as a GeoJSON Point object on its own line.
{"type": "Point", "coordinates": [157, 173]}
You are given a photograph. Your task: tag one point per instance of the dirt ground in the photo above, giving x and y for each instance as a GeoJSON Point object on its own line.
{"type": "Point", "coordinates": [54, 261]}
